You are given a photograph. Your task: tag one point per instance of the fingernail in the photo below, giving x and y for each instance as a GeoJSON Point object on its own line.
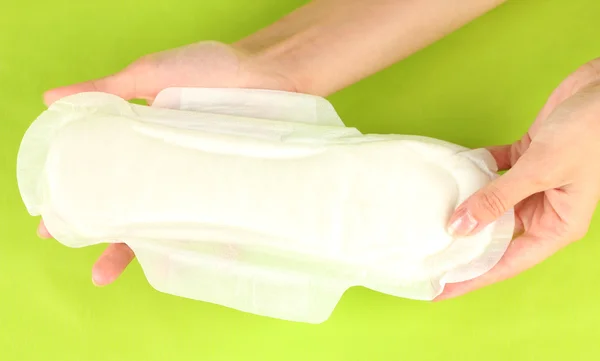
{"type": "Point", "coordinates": [463, 225]}
{"type": "Point", "coordinates": [96, 280]}
{"type": "Point", "coordinates": [41, 231]}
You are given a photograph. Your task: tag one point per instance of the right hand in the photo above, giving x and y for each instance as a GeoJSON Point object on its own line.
{"type": "Point", "coordinates": [204, 64]}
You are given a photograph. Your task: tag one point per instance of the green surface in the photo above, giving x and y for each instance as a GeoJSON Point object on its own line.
{"type": "Point", "coordinates": [480, 86]}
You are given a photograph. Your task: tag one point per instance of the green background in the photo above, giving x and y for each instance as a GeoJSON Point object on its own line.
{"type": "Point", "coordinates": [480, 86]}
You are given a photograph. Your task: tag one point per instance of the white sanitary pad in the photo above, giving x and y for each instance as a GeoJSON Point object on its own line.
{"type": "Point", "coordinates": [258, 200]}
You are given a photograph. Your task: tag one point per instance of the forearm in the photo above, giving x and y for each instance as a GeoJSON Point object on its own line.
{"type": "Point", "coordinates": [329, 44]}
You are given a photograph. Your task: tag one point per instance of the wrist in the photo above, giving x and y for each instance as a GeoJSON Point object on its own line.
{"type": "Point", "coordinates": [265, 66]}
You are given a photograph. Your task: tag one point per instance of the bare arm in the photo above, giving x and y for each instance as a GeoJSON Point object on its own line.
{"type": "Point", "coordinates": [329, 44]}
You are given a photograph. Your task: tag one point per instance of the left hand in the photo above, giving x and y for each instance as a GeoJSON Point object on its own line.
{"type": "Point", "coordinates": [553, 182]}
{"type": "Point", "coordinates": [204, 64]}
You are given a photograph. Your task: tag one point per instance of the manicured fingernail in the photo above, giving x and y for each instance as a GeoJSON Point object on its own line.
{"type": "Point", "coordinates": [463, 224]}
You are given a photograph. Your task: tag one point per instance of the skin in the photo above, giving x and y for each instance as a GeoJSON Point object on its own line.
{"type": "Point", "coordinates": [551, 185]}
{"type": "Point", "coordinates": [206, 64]}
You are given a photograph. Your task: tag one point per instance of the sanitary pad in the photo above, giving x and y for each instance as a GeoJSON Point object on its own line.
{"type": "Point", "coordinates": [258, 200]}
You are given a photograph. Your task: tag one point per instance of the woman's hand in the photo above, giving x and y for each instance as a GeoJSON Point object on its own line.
{"type": "Point", "coordinates": [205, 64]}
{"type": "Point", "coordinates": [306, 51]}
{"type": "Point", "coordinates": [553, 181]}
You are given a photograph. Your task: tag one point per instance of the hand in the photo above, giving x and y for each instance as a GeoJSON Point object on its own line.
{"type": "Point", "coordinates": [553, 182]}
{"type": "Point", "coordinates": [303, 51]}
{"type": "Point", "coordinates": [205, 64]}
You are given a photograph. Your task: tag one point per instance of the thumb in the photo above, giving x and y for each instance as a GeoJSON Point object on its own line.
{"type": "Point", "coordinates": [122, 84]}
{"type": "Point", "coordinates": [495, 199]}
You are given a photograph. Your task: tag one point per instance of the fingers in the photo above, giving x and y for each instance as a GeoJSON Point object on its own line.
{"type": "Point", "coordinates": [116, 257]}
{"type": "Point", "coordinates": [568, 215]}
{"type": "Point", "coordinates": [492, 201]}
{"type": "Point", "coordinates": [523, 253]}
{"type": "Point", "coordinates": [111, 264]}
{"type": "Point", "coordinates": [42, 231]}
{"type": "Point", "coordinates": [502, 155]}
{"type": "Point", "coordinates": [581, 78]}
{"type": "Point", "coordinates": [122, 84]}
